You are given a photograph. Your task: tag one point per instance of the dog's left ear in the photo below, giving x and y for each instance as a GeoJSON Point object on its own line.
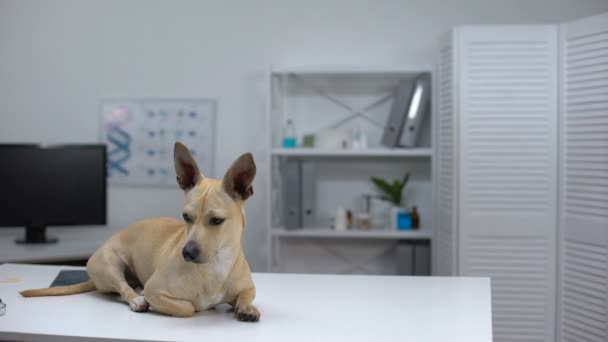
{"type": "Point", "coordinates": [238, 178]}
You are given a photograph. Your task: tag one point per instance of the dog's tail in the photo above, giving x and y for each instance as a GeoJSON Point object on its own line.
{"type": "Point", "coordinates": [87, 286]}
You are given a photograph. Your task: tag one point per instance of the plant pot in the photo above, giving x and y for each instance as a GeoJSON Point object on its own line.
{"type": "Point", "coordinates": [401, 219]}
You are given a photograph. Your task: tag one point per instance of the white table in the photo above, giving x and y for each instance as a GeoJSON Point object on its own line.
{"type": "Point", "coordinates": [294, 308]}
{"type": "Point", "coordinates": [75, 243]}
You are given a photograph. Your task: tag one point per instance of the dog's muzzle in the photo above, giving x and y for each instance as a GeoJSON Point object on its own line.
{"type": "Point", "coordinates": [192, 252]}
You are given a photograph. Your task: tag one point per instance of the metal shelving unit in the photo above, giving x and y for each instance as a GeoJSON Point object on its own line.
{"type": "Point", "coordinates": [315, 98]}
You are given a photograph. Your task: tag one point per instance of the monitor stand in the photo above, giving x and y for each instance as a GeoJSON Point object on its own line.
{"type": "Point", "coordinates": [36, 234]}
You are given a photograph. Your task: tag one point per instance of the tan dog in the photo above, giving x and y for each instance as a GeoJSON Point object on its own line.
{"type": "Point", "coordinates": [182, 267]}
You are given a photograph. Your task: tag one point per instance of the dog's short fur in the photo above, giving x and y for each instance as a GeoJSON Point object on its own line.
{"type": "Point", "coordinates": [183, 267]}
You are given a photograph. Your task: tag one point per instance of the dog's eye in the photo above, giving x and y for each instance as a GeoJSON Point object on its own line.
{"type": "Point", "coordinates": [187, 218]}
{"type": "Point", "coordinates": [216, 221]}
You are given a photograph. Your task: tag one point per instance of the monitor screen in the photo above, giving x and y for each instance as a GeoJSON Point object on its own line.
{"type": "Point", "coordinates": [54, 185]}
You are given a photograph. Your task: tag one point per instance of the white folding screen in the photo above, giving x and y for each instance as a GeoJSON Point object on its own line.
{"type": "Point", "coordinates": [583, 273]}
{"type": "Point", "coordinates": [500, 136]}
{"type": "Point", "coordinates": [497, 143]}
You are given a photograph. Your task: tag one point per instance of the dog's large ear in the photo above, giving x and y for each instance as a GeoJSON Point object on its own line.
{"type": "Point", "coordinates": [185, 167]}
{"type": "Point", "coordinates": [238, 178]}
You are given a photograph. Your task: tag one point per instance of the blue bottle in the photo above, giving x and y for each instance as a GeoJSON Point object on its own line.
{"type": "Point", "coordinates": [289, 135]}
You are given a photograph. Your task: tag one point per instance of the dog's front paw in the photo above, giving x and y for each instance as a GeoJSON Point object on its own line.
{"type": "Point", "coordinates": [139, 304]}
{"type": "Point", "coordinates": [247, 314]}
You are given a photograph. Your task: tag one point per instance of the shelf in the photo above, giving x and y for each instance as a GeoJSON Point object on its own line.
{"type": "Point", "coordinates": [372, 152]}
{"type": "Point", "coordinates": [337, 70]}
{"type": "Point", "coordinates": [422, 234]}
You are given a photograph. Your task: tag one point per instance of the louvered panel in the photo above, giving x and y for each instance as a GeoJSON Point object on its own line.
{"type": "Point", "coordinates": [517, 267]}
{"type": "Point", "coordinates": [444, 236]}
{"type": "Point", "coordinates": [499, 161]}
{"type": "Point", "coordinates": [444, 248]}
{"type": "Point", "coordinates": [446, 145]}
{"type": "Point", "coordinates": [508, 173]}
{"type": "Point", "coordinates": [584, 289]}
{"type": "Point", "coordinates": [586, 112]}
{"type": "Point", "coordinates": [583, 277]}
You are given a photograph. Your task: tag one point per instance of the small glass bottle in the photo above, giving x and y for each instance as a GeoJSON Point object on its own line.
{"type": "Point", "coordinates": [415, 218]}
{"type": "Point", "coordinates": [289, 135]}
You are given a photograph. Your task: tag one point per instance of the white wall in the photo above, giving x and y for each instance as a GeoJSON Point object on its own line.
{"type": "Point", "coordinates": [58, 58]}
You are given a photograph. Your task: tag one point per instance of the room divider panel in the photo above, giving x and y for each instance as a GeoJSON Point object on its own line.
{"type": "Point", "coordinates": [583, 257]}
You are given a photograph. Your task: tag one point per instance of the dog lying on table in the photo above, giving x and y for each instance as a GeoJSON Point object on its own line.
{"type": "Point", "coordinates": [182, 266]}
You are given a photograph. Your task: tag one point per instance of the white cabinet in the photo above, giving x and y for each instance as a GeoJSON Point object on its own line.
{"type": "Point", "coordinates": [497, 170]}
{"type": "Point", "coordinates": [583, 276]}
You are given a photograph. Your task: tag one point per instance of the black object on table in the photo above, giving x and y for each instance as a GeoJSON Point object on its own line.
{"type": "Point", "coordinates": [70, 277]}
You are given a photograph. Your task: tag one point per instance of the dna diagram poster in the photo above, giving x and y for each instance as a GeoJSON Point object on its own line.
{"type": "Point", "coordinates": [140, 134]}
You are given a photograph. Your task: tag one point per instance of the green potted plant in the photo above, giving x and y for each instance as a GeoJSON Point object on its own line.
{"type": "Point", "coordinates": [392, 191]}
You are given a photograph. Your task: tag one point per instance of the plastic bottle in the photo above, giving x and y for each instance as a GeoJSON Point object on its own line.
{"type": "Point", "coordinates": [289, 135]}
{"type": "Point", "coordinates": [341, 223]}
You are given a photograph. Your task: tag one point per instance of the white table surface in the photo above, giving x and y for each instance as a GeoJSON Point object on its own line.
{"type": "Point", "coordinates": [75, 243]}
{"type": "Point", "coordinates": [294, 308]}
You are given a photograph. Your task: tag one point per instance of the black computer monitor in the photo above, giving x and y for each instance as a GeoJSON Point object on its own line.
{"type": "Point", "coordinates": [44, 186]}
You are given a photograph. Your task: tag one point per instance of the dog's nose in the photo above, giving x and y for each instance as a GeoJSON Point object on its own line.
{"type": "Point", "coordinates": [191, 251]}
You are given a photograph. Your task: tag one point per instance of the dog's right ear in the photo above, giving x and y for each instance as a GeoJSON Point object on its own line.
{"type": "Point", "coordinates": [185, 167]}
